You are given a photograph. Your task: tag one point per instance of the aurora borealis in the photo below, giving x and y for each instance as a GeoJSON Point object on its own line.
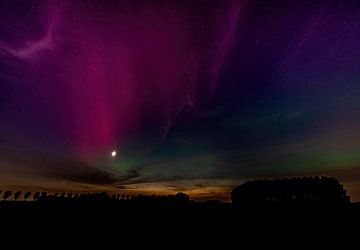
{"type": "Point", "coordinates": [193, 96]}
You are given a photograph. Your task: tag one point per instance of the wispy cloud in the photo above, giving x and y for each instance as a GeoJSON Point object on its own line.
{"type": "Point", "coordinates": [33, 48]}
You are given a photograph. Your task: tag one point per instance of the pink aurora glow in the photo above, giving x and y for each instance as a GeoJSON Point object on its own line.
{"type": "Point", "coordinates": [117, 70]}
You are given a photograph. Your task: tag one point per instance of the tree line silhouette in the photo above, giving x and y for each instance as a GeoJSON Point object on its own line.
{"type": "Point", "coordinates": [305, 190]}
{"type": "Point", "coordinates": [97, 196]}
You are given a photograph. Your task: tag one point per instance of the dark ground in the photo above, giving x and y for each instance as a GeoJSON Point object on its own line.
{"type": "Point", "coordinates": [180, 226]}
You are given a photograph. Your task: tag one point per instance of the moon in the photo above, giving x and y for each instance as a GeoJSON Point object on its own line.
{"type": "Point", "coordinates": [113, 154]}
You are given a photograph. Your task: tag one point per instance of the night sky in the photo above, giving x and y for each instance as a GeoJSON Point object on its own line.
{"type": "Point", "coordinates": [194, 96]}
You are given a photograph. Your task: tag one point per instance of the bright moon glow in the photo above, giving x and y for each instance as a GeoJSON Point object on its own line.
{"type": "Point", "coordinates": [113, 153]}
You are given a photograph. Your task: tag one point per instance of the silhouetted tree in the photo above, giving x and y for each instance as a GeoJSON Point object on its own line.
{"type": "Point", "coordinates": [36, 196]}
{"type": "Point", "coordinates": [17, 195]}
{"type": "Point", "coordinates": [43, 195]}
{"type": "Point", "coordinates": [27, 195]}
{"type": "Point", "coordinates": [7, 194]}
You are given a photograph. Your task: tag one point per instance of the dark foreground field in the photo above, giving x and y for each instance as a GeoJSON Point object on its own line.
{"type": "Point", "coordinates": [180, 226]}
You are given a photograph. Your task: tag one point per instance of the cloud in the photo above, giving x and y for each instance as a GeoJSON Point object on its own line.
{"type": "Point", "coordinates": [224, 46]}
{"type": "Point", "coordinates": [32, 48]}
{"type": "Point", "coordinates": [82, 173]}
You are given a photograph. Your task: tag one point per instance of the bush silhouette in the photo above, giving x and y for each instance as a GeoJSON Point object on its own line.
{"type": "Point", "coordinates": [181, 197]}
{"type": "Point", "coordinates": [306, 190]}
